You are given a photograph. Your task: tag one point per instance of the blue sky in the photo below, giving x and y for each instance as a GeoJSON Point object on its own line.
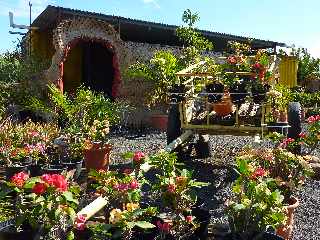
{"type": "Point", "coordinates": [290, 21]}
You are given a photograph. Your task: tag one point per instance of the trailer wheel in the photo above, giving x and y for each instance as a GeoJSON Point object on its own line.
{"type": "Point", "coordinates": [203, 147]}
{"type": "Point", "coordinates": [174, 131]}
{"type": "Point", "coordinates": [174, 125]}
{"type": "Point", "coordinates": [294, 120]}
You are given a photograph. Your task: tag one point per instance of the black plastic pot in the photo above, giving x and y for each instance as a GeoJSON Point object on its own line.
{"type": "Point", "coordinates": [238, 93]}
{"type": "Point", "coordinates": [177, 93]}
{"type": "Point", "coordinates": [53, 169]}
{"type": "Point", "coordinates": [203, 217]}
{"type": "Point", "coordinates": [74, 165]}
{"type": "Point", "coordinates": [259, 92]}
{"type": "Point", "coordinates": [8, 232]}
{"type": "Point", "coordinates": [16, 168]}
{"type": "Point", "coordinates": [213, 88]}
{"type": "Point", "coordinates": [35, 169]}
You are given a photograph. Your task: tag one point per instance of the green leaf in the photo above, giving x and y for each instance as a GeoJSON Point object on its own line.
{"type": "Point", "coordinates": [70, 236]}
{"type": "Point", "coordinates": [31, 181]}
{"type": "Point", "coordinates": [69, 197]}
{"type": "Point", "coordinates": [144, 224]}
{"type": "Point", "coordinates": [238, 206]}
{"type": "Point", "coordinates": [127, 155]}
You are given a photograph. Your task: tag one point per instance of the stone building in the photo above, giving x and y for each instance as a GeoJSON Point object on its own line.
{"type": "Point", "coordinates": [95, 49]}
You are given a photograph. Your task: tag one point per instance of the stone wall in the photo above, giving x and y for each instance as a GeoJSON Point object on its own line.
{"type": "Point", "coordinates": [133, 90]}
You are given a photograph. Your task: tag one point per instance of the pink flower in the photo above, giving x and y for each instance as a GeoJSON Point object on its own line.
{"type": "Point", "coordinates": [285, 142]}
{"type": "Point", "coordinates": [165, 227]}
{"type": "Point", "coordinates": [134, 184]}
{"type": "Point", "coordinates": [39, 188]}
{"type": "Point", "coordinates": [33, 133]}
{"type": "Point", "coordinates": [41, 147]}
{"type": "Point", "coordinates": [171, 188]}
{"type": "Point", "coordinates": [259, 172]}
{"type": "Point", "coordinates": [188, 219]}
{"type": "Point", "coordinates": [138, 156]}
{"type": "Point", "coordinates": [19, 179]}
{"type": "Point", "coordinates": [47, 178]}
{"type": "Point", "coordinates": [302, 135]}
{"type": "Point", "coordinates": [121, 187]}
{"type": "Point", "coordinates": [313, 119]}
{"type": "Point", "coordinates": [232, 60]}
{"type": "Point", "coordinates": [80, 222]}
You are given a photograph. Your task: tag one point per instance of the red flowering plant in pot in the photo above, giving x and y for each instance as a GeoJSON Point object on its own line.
{"type": "Point", "coordinates": [25, 145]}
{"type": "Point", "coordinates": [122, 189]}
{"type": "Point", "coordinates": [179, 216]}
{"type": "Point", "coordinates": [43, 203]}
{"type": "Point", "coordinates": [289, 172]}
{"type": "Point", "coordinates": [256, 205]}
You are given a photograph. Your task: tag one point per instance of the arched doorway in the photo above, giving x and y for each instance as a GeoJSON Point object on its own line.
{"type": "Point", "coordinates": [89, 63]}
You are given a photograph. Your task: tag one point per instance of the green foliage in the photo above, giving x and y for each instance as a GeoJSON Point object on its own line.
{"type": "Point", "coordinates": [255, 207]}
{"type": "Point", "coordinates": [309, 67]}
{"type": "Point", "coordinates": [87, 114]}
{"type": "Point", "coordinates": [161, 69]}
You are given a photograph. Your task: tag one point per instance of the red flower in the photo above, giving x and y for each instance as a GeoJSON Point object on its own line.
{"type": "Point", "coordinates": [138, 156]}
{"type": "Point", "coordinates": [134, 184]}
{"type": "Point", "coordinates": [56, 180]}
{"type": "Point", "coordinates": [127, 171]}
{"type": "Point", "coordinates": [165, 227]}
{"type": "Point", "coordinates": [171, 188]}
{"type": "Point", "coordinates": [59, 182]}
{"type": "Point", "coordinates": [188, 219]}
{"type": "Point", "coordinates": [232, 60]}
{"type": "Point", "coordinates": [80, 222]}
{"type": "Point", "coordinates": [302, 135]}
{"type": "Point", "coordinates": [19, 179]}
{"type": "Point", "coordinates": [257, 65]}
{"type": "Point", "coordinates": [39, 188]}
{"type": "Point", "coordinates": [259, 172]}
{"type": "Point", "coordinates": [47, 178]}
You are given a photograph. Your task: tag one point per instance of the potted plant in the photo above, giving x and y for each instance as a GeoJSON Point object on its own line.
{"type": "Point", "coordinates": [45, 205]}
{"type": "Point", "coordinates": [180, 217]}
{"type": "Point", "coordinates": [89, 115]}
{"type": "Point", "coordinates": [161, 69]}
{"type": "Point", "coordinates": [96, 150]}
{"type": "Point", "coordinates": [287, 169]}
{"type": "Point", "coordinates": [256, 207]}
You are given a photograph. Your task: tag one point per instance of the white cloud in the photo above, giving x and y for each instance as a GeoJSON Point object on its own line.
{"type": "Point", "coordinates": [20, 8]}
{"type": "Point", "coordinates": [153, 2]}
{"type": "Point", "coordinates": [315, 50]}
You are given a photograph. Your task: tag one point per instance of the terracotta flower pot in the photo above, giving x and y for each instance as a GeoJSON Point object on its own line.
{"type": "Point", "coordinates": [97, 156]}
{"type": "Point", "coordinates": [159, 121]}
{"type": "Point", "coordinates": [283, 116]}
{"type": "Point", "coordinates": [286, 230]}
{"type": "Point", "coordinates": [224, 107]}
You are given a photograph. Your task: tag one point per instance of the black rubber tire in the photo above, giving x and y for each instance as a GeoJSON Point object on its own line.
{"type": "Point", "coordinates": [295, 122]}
{"type": "Point", "coordinates": [174, 124]}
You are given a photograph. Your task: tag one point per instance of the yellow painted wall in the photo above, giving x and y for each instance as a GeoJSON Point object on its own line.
{"type": "Point", "coordinates": [73, 69]}
{"type": "Point", "coordinates": [42, 45]}
{"type": "Point", "coordinates": [288, 69]}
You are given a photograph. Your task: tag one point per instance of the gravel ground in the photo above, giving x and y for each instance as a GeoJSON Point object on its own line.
{"type": "Point", "coordinates": [217, 170]}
